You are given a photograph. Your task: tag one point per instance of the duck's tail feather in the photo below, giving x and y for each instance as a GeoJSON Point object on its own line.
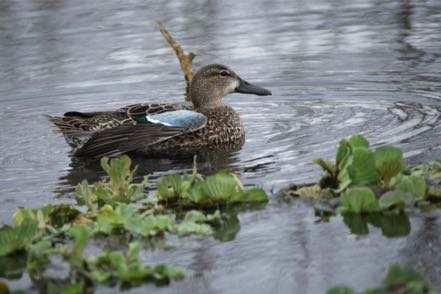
{"type": "Point", "coordinates": [71, 128]}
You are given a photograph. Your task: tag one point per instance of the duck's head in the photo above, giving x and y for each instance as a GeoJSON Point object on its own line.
{"type": "Point", "coordinates": [214, 81]}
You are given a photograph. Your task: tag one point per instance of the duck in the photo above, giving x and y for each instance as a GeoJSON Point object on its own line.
{"type": "Point", "coordinates": [163, 128]}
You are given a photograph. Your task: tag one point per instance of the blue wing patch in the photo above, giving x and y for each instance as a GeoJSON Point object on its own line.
{"type": "Point", "coordinates": [179, 118]}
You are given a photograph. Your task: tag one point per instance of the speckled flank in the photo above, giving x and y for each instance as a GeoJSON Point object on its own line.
{"type": "Point", "coordinates": [224, 126]}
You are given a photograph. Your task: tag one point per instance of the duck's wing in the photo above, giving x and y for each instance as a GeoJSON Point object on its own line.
{"type": "Point", "coordinates": [148, 130]}
{"type": "Point", "coordinates": [143, 109]}
{"type": "Point", "coordinates": [73, 122]}
{"type": "Point", "coordinates": [77, 127]}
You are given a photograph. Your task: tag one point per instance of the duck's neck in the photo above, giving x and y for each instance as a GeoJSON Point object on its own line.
{"type": "Point", "coordinates": [205, 102]}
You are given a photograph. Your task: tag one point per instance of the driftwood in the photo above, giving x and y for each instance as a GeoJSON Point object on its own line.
{"type": "Point", "coordinates": [184, 59]}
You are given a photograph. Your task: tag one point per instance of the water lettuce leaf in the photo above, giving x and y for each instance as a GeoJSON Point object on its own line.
{"type": "Point", "coordinates": [397, 280]}
{"type": "Point", "coordinates": [219, 189]}
{"type": "Point", "coordinates": [186, 228]}
{"type": "Point", "coordinates": [198, 216]}
{"type": "Point", "coordinates": [413, 184]}
{"type": "Point", "coordinates": [118, 188]}
{"type": "Point", "coordinates": [358, 141]}
{"type": "Point", "coordinates": [39, 214]}
{"type": "Point", "coordinates": [250, 195]}
{"type": "Point", "coordinates": [15, 239]}
{"type": "Point", "coordinates": [362, 171]}
{"type": "Point", "coordinates": [325, 165]}
{"type": "Point", "coordinates": [222, 188]}
{"type": "Point", "coordinates": [81, 235]}
{"type": "Point", "coordinates": [389, 162]}
{"type": "Point", "coordinates": [173, 186]}
{"type": "Point", "coordinates": [127, 217]}
{"type": "Point", "coordinates": [313, 192]}
{"type": "Point", "coordinates": [129, 269]}
{"type": "Point", "coordinates": [359, 200]}
{"type": "Point", "coordinates": [341, 290]}
{"type": "Point", "coordinates": [343, 152]}
{"type": "Point", "coordinates": [407, 280]}
{"type": "Point", "coordinates": [396, 199]}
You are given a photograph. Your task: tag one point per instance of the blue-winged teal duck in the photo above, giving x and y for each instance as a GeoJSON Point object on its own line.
{"type": "Point", "coordinates": [154, 128]}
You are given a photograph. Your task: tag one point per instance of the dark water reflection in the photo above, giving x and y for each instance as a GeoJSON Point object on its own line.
{"type": "Point", "coordinates": [335, 68]}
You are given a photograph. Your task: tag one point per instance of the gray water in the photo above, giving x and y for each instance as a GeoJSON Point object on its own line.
{"type": "Point", "coordinates": [335, 68]}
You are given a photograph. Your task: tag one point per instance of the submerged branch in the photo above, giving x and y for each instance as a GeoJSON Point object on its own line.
{"type": "Point", "coordinates": [184, 59]}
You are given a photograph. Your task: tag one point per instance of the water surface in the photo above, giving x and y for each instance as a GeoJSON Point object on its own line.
{"type": "Point", "coordinates": [335, 68]}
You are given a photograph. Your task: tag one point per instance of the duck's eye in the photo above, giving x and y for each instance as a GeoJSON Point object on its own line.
{"type": "Point", "coordinates": [225, 73]}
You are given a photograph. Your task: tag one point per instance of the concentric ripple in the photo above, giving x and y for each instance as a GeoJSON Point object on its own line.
{"type": "Point", "coordinates": [283, 146]}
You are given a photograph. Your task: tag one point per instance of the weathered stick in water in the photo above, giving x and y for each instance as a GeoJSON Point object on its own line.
{"type": "Point", "coordinates": [184, 59]}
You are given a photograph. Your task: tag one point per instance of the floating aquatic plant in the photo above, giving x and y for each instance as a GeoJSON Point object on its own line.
{"type": "Point", "coordinates": [398, 279]}
{"type": "Point", "coordinates": [116, 206]}
{"type": "Point", "coordinates": [112, 266]}
{"type": "Point", "coordinates": [359, 200]}
{"type": "Point", "coordinates": [357, 166]}
{"type": "Point", "coordinates": [16, 239]}
{"type": "Point", "coordinates": [362, 181]}
{"type": "Point", "coordinates": [118, 188]}
{"type": "Point", "coordinates": [219, 189]}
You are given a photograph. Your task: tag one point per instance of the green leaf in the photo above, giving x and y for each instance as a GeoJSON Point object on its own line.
{"type": "Point", "coordinates": [325, 165]}
{"type": "Point", "coordinates": [341, 290]}
{"type": "Point", "coordinates": [406, 278]}
{"type": "Point", "coordinates": [81, 235]}
{"type": "Point", "coordinates": [118, 188]}
{"type": "Point", "coordinates": [186, 228]}
{"type": "Point", "coordinates": [129, 269]}
{"type": "Point", "coordinates": [196, 195]}
{"type": "Point", "coordinates": [14, 239]}
{"type": "Point", "coordinates": [41, 215]}
{"type": "Point", "coordinates": [396, 199]}
{"type": "Point", "coordinates": [118, 170]}
{"type": "Point", "coordinates": [195, 216]}
{"type": "Point", "coordinates": [414, 185]}
{"type": "Point", "coordinates": [358, 141]}
{"type": "Point", "coordinates": [85, 195]}
{"type": "Point", "coordinates": [251, 195]}
{"type": "Point", "coordinates": [398, 280]}
{"type": "Point", "coordinates": [216, 216]}
{"type": "Point", "coordinates": [150, 226]}
{"type": "Point", "coordinates": [74, 289]}
{"type": "Point", "coordinates": [343, 153]}
{"type": "Point", "coordinates": [127, 217]}
{"type": "Point", "coordinates": [173, 186]}
{"type": "Point", "coordinates": [359, 200]}
{"type": "Point", "coordinates": [108, 221]}
{"type": "Point", "coordinates": [389, 162]}
{"type": "Point", "coordinates": [219, 187]}
{"type": "Point", "coordinates": [313, 192]}
{"type": "Point", "coordinates": [62, 214]}
{"type": "Point", "coordinates": [362, 170]}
